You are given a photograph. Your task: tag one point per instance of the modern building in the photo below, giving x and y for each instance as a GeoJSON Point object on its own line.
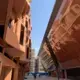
{"type": "Point", "coordinates": [46, 60]}
{"type": "Point", "coordinates": [62, 37]}
{"type": "Point", "coordinates": [32, 61]}
{"type": "Point", "coordinates": [40, 66]}
{"type": "Point", "coordinates": [15, 41]}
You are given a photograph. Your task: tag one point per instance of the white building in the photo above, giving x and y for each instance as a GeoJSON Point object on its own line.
{"type": "Point", "coordinates": [32, 61]}
{"type": "Point", "coordinates": [40, 67]}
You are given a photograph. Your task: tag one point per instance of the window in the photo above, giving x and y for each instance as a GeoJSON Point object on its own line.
{"type": "Point", "coordinates": [26, 24]}
{"type": "Point", "coordinates": [29, 21]}
{"type": "Point", "coordinates": [76, 8]}
{"type": "Point", "coordinates": [22, 35]}
{"type": "Point", "coordinates": [9, 24]}
{"type": "Point", "coordinates": [30, 43]}
{"type": "Point", "coordinates": [1, 49]}
{"type": "Point", "coordinates": [26, 39]}
{"type": "Point", "coordinates": [1, 31]}
{"type": "Point", "coordinates": [29, 32]}
{"type": "Point", "coordinates": [6, 54]}
{"type": "Point", "coordinates": [27, 53]}
{"type": "Point", "coordinates": [41, 69]}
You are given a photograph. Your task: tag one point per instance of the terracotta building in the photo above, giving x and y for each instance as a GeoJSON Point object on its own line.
{"type": "Point", "coordinates": [62, 37]}
{"type": "Point", "coordinates": [15, 41]}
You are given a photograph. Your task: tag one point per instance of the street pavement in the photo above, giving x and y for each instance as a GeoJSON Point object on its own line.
{"type": "Point", "coordinates": [43, 78]}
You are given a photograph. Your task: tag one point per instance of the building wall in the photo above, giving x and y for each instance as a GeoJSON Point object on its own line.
{"type": "Point", "coordinates": [14, 61]}
{"type": "Point", "coordinates": [6, 73]}
{"type": "Point", "coordinates": [64, 35]}
{"type": "Point", "coordinates": [40, 67]}
{"type": "Point", "coordinates": [63, 40]}
{"type": "Point", "coordinates": [32, 61]}
{"type": "Point", "coordinates": [46, 59]}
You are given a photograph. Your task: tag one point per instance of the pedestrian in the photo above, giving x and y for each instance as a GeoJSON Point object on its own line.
{"type": "Point", "coordinates": [34, 76]}
{"type": "Point", "coordinates": [39, 75]}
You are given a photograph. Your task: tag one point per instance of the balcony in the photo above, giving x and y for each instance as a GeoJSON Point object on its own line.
{"type": "Point", "coordinates": [23, 59]}
{"type": "Point", "coordinates": [26, 56]}
{"type": "Point", "coordinates": [21, 7]}
{"type": "Point", "coordinates": [7, 62]}
{"type": "Point", "coordinates": [13, 52]}
{"type": "Point", "coordinates": [13, 7]}
{"type": "Point", "coordinates": [11, 39]}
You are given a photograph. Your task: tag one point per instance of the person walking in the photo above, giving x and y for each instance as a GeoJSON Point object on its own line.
{"type": "Point", "coordinates": [39, 75]}
{"type": "Point", "coordinates": [34, 76]}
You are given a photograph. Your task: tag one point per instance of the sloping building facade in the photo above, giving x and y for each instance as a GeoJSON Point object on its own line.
{"type": "Point", "coordinates": [62, 37]}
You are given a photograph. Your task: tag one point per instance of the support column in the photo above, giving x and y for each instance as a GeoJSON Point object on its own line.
{"type": "Point", "coordinates": [8, 73]}
{"type": "Point", "coordinates": [54, 58]}
{"type": "Point", "coordinates": [1, 77]}
{"type": "Point", "coordinates": [15, 74]}
{"type": "Point", "coordinates": [57, 73]}
{"type": "Point", "coordinates": [21, 73]}
{"type": "Point", "coordinates": [65, 73]}
{"type": "Point", "coordinates": [0, 67]}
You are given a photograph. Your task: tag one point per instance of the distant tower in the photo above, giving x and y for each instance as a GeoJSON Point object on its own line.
{"type": "Point", "coordinates": [36, 65]}
{"type": "Point", "coordinates": [32, 61]}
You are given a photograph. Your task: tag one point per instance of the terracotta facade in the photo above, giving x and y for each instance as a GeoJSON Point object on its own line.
{"type": "Point", "coordinates": [63, 34]}
{"type": "Point", "coordinates": [15, 40]}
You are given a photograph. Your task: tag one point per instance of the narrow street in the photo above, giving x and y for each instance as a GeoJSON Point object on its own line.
{"type": "Point", "coordinates": [43, 78]}
{"type": "Point", "coordinates": [39, 39]}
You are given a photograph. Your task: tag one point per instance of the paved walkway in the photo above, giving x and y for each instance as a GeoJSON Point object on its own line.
{"type": "Point", "coordinates": [43, 78]}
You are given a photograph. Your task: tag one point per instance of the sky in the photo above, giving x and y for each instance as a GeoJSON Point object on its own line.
{"type": "Point", "coordinates": [40, 15]}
